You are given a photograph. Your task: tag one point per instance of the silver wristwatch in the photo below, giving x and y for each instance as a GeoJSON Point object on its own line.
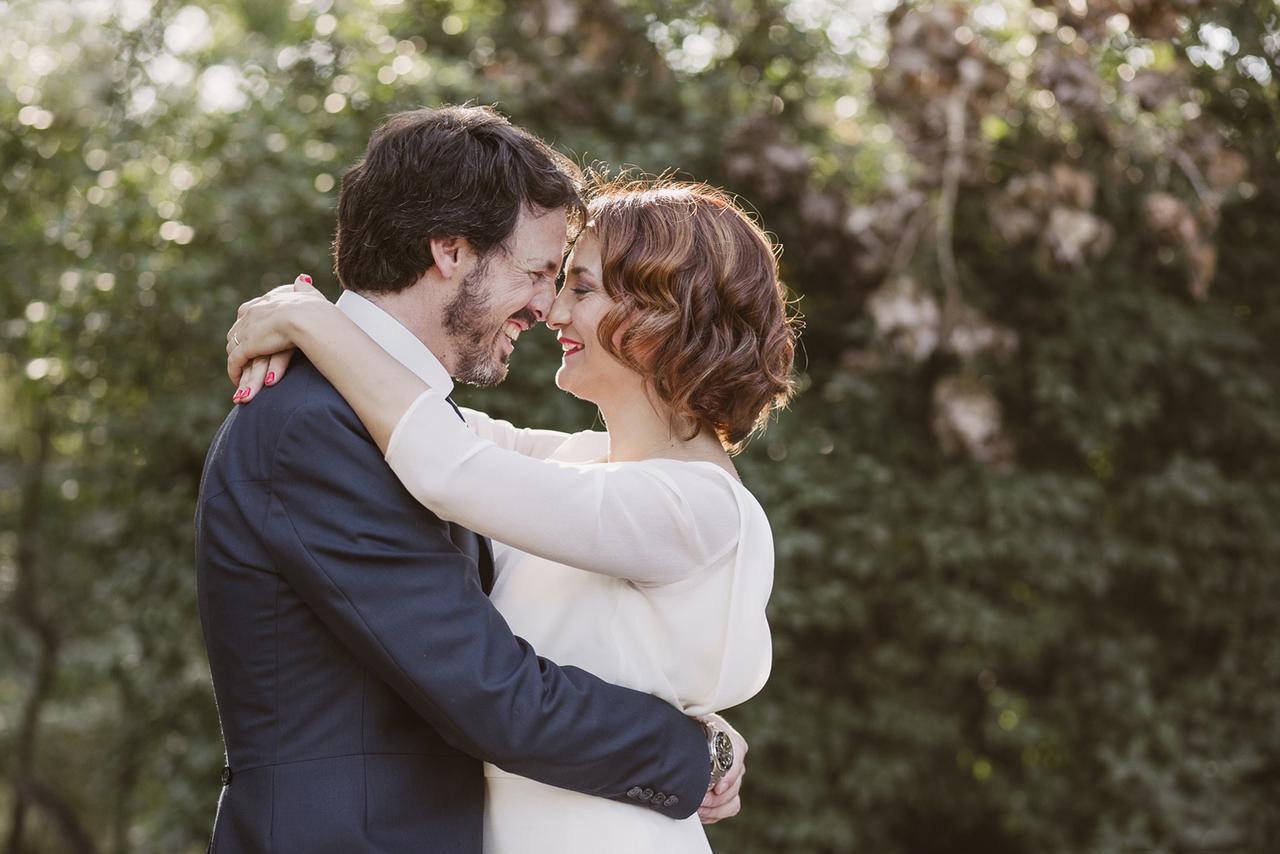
{"type": "Point", "coordinates": [720, 746]}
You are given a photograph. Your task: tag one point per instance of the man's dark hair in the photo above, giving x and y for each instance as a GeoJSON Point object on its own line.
{"type": "Point", "coordinates": [457, 171]}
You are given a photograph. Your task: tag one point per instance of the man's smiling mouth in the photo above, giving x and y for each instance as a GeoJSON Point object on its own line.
{"type": "Point", "coordinates": [511, 331]}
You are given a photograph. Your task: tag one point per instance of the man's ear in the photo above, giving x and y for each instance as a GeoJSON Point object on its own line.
{"type": "Point", "coordinates": [451, 255]}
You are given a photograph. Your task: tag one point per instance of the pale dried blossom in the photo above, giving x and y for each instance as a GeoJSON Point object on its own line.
{"type": "Point", "coordinates": [973, 334]}
{"type": "Point", "coordinates": [967, 419]}
{"type": "Point", "coordinates": [1075, 236]}
{"type": "Point", "coordinates": [1223, 168]}
{"type": "Point", "coordinates": [1018, 212]}
{"type": "Point", "coordinates": [559, 17]}
{"type": "Point", "coordinates": [880, 229]}
{"type": "Point", "coordinates": [1169, 216]}
{"type": "Point", "coordinates": [907, 316]}
{"type": "Point", "coordinates": [1174, 223]}
{"type": "Point", "coordinates": [1053, 208]}
{"type": "Point", "coordinates": [910, 319]}
{"type": "Point", "coordinates": [1074, 186]}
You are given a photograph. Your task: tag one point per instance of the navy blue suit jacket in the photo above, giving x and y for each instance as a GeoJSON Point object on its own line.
{"type": "Point", "coordinates": [360, 671]}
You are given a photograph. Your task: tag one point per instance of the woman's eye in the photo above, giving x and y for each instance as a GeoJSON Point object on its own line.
{"type": "Point", "coordinates": [581, 291]}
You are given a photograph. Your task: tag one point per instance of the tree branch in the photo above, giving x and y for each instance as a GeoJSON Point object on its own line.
{"type": "Point", "coordinates": [29, 791]}
{"type": "Point", "coordinates": [955, 106]}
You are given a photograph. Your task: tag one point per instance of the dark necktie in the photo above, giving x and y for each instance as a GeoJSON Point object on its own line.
{"type": "Point", "coordinates": [455, 408]}
{"type": "Point", "coordinates": [474, 546]}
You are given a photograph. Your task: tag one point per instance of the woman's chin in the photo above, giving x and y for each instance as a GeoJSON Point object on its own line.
{"type": "Point", "coordinates": [565, 382]}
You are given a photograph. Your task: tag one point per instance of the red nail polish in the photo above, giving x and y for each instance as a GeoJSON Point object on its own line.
{"type": "Point", "coordinates": [306, 278]}
{"type": "Point", "coordinates": [238, 394]}
{"type": "Point", "coordinates": [271, 377]}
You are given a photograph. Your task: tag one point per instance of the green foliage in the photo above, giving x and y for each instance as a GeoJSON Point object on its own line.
{"type": "Point", "coordinates": [1026, 596]}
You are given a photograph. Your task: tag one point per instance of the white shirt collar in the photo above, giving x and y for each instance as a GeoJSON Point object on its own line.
{"type": "Point", "coordinates": [396, 339]}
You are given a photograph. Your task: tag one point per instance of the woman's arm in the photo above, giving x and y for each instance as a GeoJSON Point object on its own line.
{"type": "Point", "coordinates": [654, 522]}
{"type": "Point", "coordinates": [378, 387]}
{"type": "Point", "coordinates": [528, 441]}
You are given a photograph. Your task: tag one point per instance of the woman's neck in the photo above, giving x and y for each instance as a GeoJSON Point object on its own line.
{"type": "Point", "coordinates": [639, 429]}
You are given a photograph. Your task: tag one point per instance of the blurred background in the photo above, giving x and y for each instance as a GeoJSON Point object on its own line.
{"type": "Point", "coordinates": [1026, 506]}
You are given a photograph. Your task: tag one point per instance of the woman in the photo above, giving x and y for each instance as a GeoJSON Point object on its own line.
{"type": "Point", "coordinates": [636, 554]}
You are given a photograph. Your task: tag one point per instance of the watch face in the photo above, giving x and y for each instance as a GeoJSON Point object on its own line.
{"type": "Point", "coordinates": [724, 751]}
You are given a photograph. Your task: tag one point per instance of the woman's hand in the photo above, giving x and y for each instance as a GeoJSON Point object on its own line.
{"type": "Point", "coordinates": [262, 341]}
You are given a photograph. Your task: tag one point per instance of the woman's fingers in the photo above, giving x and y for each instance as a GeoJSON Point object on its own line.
{"type": "Point", "coordinates": [277, 364]}
{"type": "Point", "coordinates": [258, 345]}
{"type": "Point", "coordinates": [249, 304]}
{"type": "Point", "coordinates": [252, 380]}
{"type": "Point", "coordinates": [237, 358]}
{"type": "Point", "coordinates": [246, 305]}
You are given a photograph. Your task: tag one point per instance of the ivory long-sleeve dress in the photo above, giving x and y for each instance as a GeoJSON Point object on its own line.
{"type": "Point", "coordinates": [653, 575]}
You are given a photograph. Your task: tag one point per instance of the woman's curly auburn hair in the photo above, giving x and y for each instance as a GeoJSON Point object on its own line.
{"type": "Point", "coordinates": [701, 312]}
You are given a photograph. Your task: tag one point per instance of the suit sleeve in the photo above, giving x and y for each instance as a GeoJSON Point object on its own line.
{"type": "Point", "coordinates": [380, 571]}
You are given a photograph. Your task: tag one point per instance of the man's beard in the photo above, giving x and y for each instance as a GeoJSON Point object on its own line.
{"type": "Point", "coordinates": [467, 320]}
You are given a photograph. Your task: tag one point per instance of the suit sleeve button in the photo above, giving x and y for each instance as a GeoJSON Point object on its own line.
{"type": "Point", "coordinates": [671, 801]}
{"type": "Point", "coordinates": [633, 792]}
{"type": "Point", "coordinates": [646, 795]}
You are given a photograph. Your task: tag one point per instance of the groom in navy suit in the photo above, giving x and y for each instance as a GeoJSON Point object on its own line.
{"type": "Point", "coordinates": [360, 671]}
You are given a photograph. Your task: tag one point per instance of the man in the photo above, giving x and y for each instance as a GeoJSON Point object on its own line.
{"type": "Point", "coordinates": [360, 671]}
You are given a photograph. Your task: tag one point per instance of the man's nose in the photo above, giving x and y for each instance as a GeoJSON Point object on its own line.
{"type": "Point", "coordinates": [542, 301]}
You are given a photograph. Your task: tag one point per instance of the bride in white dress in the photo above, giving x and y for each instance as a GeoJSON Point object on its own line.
{"type": "Point", "coordinates": [636, 554]}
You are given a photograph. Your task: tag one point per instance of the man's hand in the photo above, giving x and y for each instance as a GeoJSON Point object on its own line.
{"type": "Point", "coordinates": [724, 801]}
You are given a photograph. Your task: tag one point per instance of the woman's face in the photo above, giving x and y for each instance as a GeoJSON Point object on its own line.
{"type": "Point", "coordinates": [586, 370]}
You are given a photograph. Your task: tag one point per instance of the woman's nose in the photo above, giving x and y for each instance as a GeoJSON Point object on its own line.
{"type": "Point", "coordinates": [558, 316]}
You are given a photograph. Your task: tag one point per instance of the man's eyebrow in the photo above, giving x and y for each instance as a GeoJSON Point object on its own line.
{"type": "Point", "coordinates": [548, 267]}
